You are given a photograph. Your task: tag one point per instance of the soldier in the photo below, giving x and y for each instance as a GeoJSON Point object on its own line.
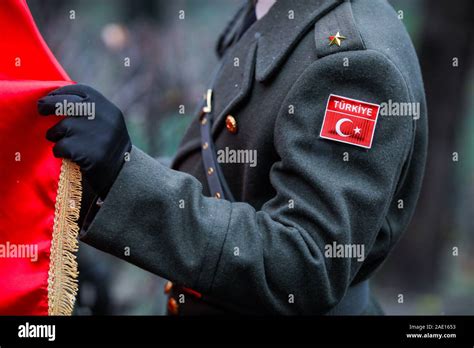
{"type": "Point", "coordinates": [334, 187]}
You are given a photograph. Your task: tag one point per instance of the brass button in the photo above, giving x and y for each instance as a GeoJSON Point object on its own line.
{"type": "Point", "coordinates": [205, 146]}
{"type": "Point", "coordinates": [231, 124]}
{"type": "Point", "coordinates": [168, 287]}
{"type": "Point", "coordinates": [204, 121]}
{"type": "Point", "coordinates": [173, 306]}
{"type": "Point", "coordinates": [210, 171]}
{"type": "Point", "coordinates": [217, 195]}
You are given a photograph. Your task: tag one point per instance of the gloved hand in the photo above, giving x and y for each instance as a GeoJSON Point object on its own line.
{"type": "Point", "coordinates": [93, 134]}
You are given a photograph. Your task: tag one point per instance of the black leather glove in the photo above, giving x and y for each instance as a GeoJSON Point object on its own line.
{"type": "Point", "coordinates": [93, 134]}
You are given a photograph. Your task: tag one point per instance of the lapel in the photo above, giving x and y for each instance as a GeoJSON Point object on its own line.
{"type": "Point", "coordinates": [259, 54]}
{"type": "Point", "coordinates": [282, 28]}
{"type": "Point", "coordinates": [235, 80]}
{"type": "Point", "coordinates": [262, 50]}
{"type": "Point", "coordinates": [231, 86]}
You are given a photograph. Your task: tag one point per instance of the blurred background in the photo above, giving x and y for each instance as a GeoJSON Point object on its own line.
{"type": "Point", "coordinates": [151, 56]}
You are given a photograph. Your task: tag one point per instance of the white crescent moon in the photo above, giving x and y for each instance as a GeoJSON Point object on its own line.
{"type": "Point", "coordinates": [338, 127]}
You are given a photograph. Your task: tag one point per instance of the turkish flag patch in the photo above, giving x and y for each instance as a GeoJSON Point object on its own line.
{"type": "Point", "coordinates": [350, 121]}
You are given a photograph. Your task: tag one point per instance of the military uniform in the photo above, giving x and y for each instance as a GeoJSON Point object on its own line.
{"type": "Point", "coordinates": [261, 249]}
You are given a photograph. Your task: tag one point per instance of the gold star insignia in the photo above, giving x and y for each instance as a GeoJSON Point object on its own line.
{"type": "Point", "coordinates": [336, 39]}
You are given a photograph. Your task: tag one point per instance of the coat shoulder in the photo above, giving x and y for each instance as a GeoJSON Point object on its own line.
{"type": "Point", "coordinates": [364, 25]}
{"type": "Point", "coordinates": [337, 32]}
{"type": "Point", "coordinates": [371, 25]}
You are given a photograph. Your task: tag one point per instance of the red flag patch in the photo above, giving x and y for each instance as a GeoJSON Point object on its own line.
{"type": "Point", "coordinates": [350, 121]}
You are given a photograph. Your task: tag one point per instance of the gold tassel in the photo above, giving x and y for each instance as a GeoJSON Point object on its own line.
{"type": "Point", "coordinates": [63, 272]}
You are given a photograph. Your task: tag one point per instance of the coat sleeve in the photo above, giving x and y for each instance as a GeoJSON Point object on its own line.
{"type": "Point", "coordinates": [158, 218]}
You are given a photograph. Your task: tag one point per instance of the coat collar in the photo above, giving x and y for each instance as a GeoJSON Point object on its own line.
{"type": "Point", "coordinates": [269, 41]}
{"type": "Point", "coordinates": [265, 46]}
{"type": "Point", "coordinates": [282, 28]}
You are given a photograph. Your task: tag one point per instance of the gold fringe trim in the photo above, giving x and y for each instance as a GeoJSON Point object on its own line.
{"type": "Point", "coordinates": [63, 272]}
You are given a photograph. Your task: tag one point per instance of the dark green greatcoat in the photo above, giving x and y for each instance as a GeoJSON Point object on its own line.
{"type": "Point", "coordinates": [265, 253]}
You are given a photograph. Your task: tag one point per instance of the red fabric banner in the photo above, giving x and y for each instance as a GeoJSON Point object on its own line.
{"type": "Point", "coordinates": [37, 208]}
